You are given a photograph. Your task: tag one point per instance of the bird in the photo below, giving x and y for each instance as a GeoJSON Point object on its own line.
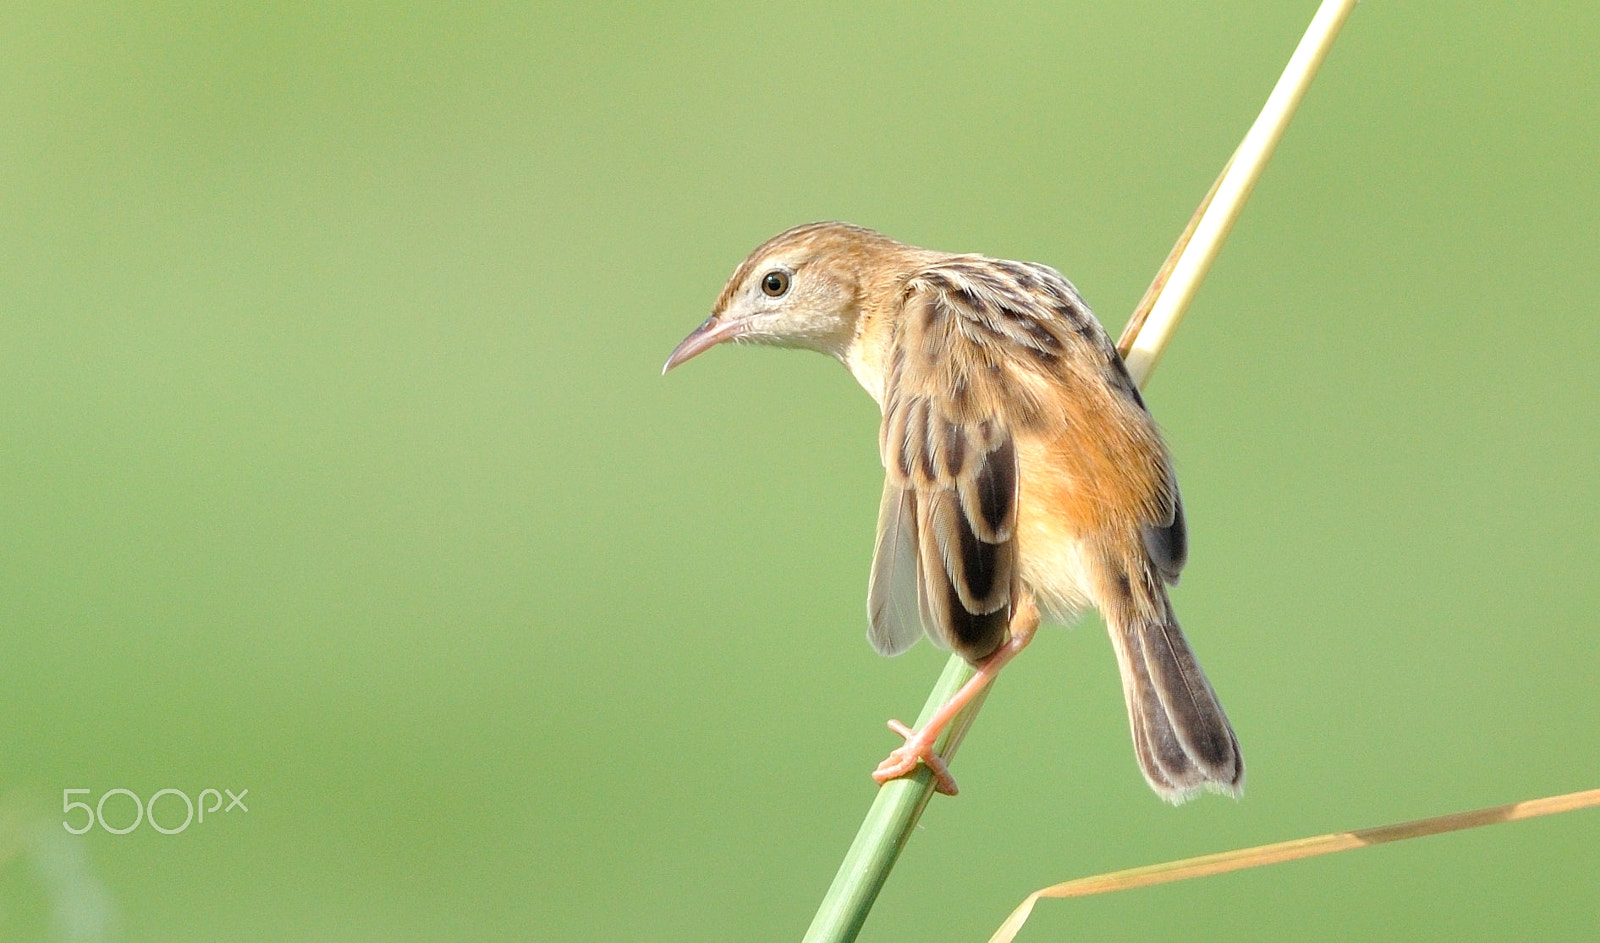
{"type": "Point", "coordinates": [1023, 475]}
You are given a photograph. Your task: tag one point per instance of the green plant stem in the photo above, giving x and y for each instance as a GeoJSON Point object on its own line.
{"type": "Point", "coordinates": [889, 822]}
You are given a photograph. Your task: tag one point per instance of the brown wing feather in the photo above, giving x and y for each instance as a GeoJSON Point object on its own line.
{"type": "Point", "coordinates": [948, 438]}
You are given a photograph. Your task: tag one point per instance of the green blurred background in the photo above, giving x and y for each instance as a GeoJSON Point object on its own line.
{"type": "Point", "coordinates": [335, 464]}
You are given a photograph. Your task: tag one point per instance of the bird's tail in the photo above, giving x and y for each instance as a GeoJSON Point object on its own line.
{"type": "Point", "coordinates": [1181, 735]}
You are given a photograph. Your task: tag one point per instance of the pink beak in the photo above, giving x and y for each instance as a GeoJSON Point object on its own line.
{"type": "Point", "coordinates": [702, 339]}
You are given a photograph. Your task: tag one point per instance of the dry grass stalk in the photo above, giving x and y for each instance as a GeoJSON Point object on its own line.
{"type": "Point", "coordinates": [1280, 852]}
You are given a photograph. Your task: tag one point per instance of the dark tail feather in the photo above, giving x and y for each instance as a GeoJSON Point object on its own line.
{"type": "Point", "coordinates": [1181, 736]}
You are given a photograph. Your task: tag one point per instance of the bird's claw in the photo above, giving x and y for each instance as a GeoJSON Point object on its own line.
{"type": "Point", "coordinates": [918, 748]}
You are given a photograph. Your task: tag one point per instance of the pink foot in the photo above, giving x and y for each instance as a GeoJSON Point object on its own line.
{"type": "Point", "coordinates": [918, 748]}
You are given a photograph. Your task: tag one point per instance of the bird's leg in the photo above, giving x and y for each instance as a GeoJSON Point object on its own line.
{"type": "Point", "coordinates": [919, 743]}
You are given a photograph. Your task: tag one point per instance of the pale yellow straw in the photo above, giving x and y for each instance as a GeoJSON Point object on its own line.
{"type": "Point", "coordinates": [1292, 850]}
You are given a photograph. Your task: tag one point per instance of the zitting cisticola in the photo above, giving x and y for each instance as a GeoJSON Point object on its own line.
{"type": "Point", "coordinates": [1022, 472]}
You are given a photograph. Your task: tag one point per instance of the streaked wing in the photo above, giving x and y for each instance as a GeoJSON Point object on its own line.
{"type": "Point", "coordinates": [954, 393]}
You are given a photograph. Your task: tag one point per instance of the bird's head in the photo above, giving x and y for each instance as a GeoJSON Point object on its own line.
{"type": "Point", "coordinates": [801, 288]}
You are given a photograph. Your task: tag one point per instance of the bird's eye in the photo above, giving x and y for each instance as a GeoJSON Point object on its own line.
{"type": "Point", "coordinates": [775, 283]}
